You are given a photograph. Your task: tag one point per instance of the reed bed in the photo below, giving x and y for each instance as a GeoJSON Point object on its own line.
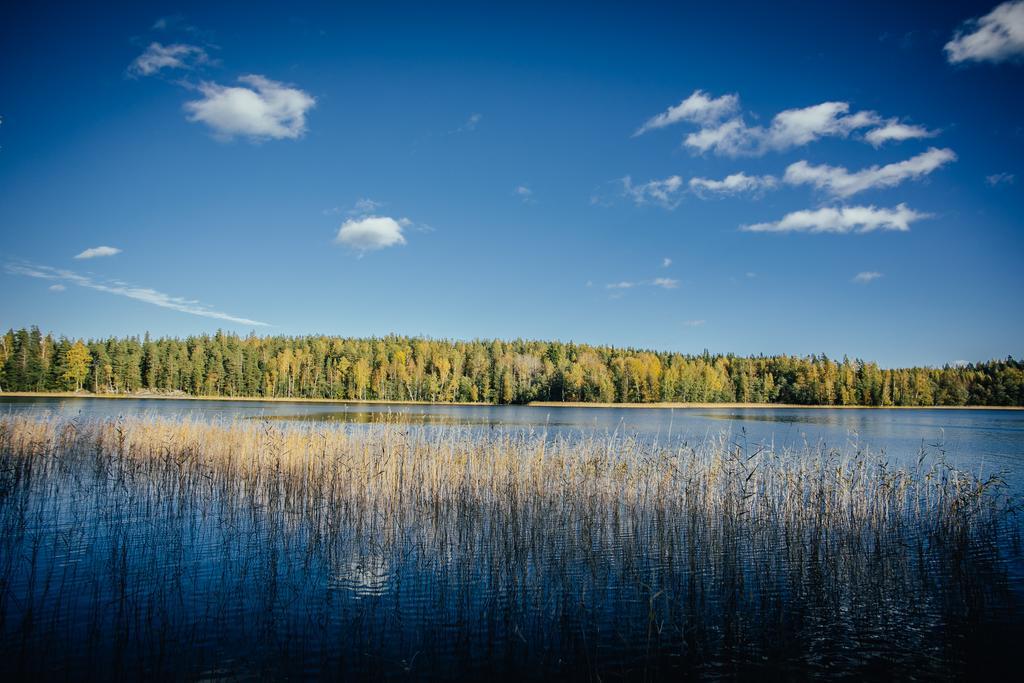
{"type": "Point", "coordinates": [177, 548]}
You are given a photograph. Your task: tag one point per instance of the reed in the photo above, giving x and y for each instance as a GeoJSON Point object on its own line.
{"type": "Point", "coordinates": [388, 550]}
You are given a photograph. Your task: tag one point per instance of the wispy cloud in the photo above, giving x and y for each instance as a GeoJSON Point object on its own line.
{"type": "Point", "coordinates": [174, 22]}
{"type": "Point", "coordinates": [697, 108]}
{"type": "Point", "coordinates": [867, 276]}
{"type": "Point", "coordinates": [664, 193]}
{"type": "Point", "coordinates": [668, 192]}
{"type": "Point", "coordinates": [894, 131]}
{"type": "Point", "coordinates": [365, 205]}
{"type": "Point", "coordinates": [734, 184]}
{"type": "Point", "coordinates": [56, 288]}
{"type": "Point", "coordinates": [469, 125]}
{"type": "Point", "coordinates": [788, 129]}
{"type": "Point", "coordinates": [525, 194]}
{"type": "Point", "coordinates": [839, 182]}
{"type": "Point", "coordinates": [666, 262]}
{"type": "Point", "coordinates": [694, 323]}
{"type": "Point", "coordinates": [847, 219]}
{"type": "Point", "coordinates": [95, 252]}
{"type": "Point", "coordinates": [722, 128]}
{"type": "Point", "coordinates": [260, 109]}
{"type": "Point", "coordinates": [1000, 179]}
{"type": "Point", "coordinates": [662, 282]}
{"type": "Point", "coordinates": [996, 37]}
{"type": "Point", "coordinates": [144, 294]}
{"type": "Point", "coordinates": [157, 57]}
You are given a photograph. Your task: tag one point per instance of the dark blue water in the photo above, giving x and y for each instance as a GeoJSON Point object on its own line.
{"type": "Point", "coordinates": [115, 570]}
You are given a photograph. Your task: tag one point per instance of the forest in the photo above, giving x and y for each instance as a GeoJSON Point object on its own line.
{"type": "Point", "coordinates": [396, 368]}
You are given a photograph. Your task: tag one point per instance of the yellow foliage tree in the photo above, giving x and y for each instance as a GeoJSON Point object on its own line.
{"type": "Point", "coordinates": [76, 364]}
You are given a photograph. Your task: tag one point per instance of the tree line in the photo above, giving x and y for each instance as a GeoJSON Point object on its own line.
{"type": "Point", "coordinates": [518, 371]}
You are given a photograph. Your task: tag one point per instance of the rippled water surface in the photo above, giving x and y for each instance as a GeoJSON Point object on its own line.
{"type": "Point", "coordinates": [129, 566]}
{"type": "Point", "coordinates": [983, 438]}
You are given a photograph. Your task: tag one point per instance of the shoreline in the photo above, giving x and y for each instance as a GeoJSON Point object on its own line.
{"type": "Point", "coordinates": [531, 404]}
{"type": "Point", "coordinates": [786, 406]}
{"type": "Point", "coordinates": [251, 399]}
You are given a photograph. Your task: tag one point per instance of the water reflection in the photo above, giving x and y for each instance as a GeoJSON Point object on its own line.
{"type": "Point", "coordinates": [183, 551]}
{"type": "Point", "coordinates": [361, 575]}
{"type": "Point", "coordinates": [381, 417]}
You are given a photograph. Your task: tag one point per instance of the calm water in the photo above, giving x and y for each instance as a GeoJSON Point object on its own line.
{"type": "Point", "coordinates": [979, 440]}
{"type": "Point", "coordinates": [102, 576]}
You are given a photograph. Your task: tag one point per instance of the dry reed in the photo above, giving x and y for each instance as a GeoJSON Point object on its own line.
{"type": "Point", "coordinates": [437, 552]}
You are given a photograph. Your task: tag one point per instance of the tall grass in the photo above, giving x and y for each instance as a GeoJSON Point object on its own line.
{"type": "Point", "coordinates": [386, 551]}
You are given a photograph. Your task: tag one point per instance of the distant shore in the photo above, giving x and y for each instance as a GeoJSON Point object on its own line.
{"type": "Point", "coordinates": [254, 399]}
{"type": "Point", "coordinates": [794, 406]}
{"type": "Point", "coordinates": [532, 404]}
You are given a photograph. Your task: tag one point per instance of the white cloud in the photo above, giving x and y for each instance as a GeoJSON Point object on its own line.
{"type": "Point", "coordinates": [727, 138]}
{"type": "Point", "coordinates": [665, 282]}
{"type": "Point", "coordinates": [995, 37]}
{"type": "Point", "coordinates": [866, 277]}
{"type": "Point", "coordinates": [788, 129]}
{"type": "Point", "coordinates": [697, 108]}
{"type": "Point", "coordinates": [848, 219]}
{"type": "Point", "coordinates": [665, 192]}
{"type": "Point", "coordinates": [1000, 179]}
{"type": "Point", "coordinates": [694, 323]}
{"type": "Point", "coordinates": [897, 132]}
{"type": "Point", "coordinates": [625, 284]}
{"type": "Point", "coordinates": [368, 233]}
{"type": "Point", "coordinates": [94, 252]}
{"type": "Point", "coordinates": [795, 127]}
{"type": "Point", "coordinates": [158, 56]}
{"type": "Point", "coordinates": [259, 110]}
{"type": "Point", "coordinates": [666, 262]}
{"type": "Point", "coordinates": [736, 183]}
{"type": "Point", "coordinates": [723, 130]}
{"type": "Point", "coordinates": [57, 288]}
{"type": "Point", "coordinates": [144, 294]}
{"type": "Point", "coordinates": [839, 182]}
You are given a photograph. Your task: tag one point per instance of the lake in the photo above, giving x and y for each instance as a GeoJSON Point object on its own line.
{"type": "Point", "coordinates": [329, 540]}
{"type": "Point", "coordinates": [982, 440]}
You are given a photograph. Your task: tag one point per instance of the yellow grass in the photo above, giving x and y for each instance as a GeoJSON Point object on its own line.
{"type": "Point", "coordinates": [390, 469]}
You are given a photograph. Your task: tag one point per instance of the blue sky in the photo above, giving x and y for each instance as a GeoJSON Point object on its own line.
{"type": "Point", "coordinates": [792, 179]}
